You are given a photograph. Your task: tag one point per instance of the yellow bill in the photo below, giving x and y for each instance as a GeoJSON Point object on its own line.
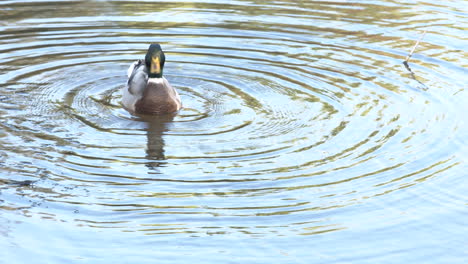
{"type": "Point", "coordinates": [155, 65]}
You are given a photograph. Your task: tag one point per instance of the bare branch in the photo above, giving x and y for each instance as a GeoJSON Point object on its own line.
{"type": "Point", "coordinates": [414, 48]}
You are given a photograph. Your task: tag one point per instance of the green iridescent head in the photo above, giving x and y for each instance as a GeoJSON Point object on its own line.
{"type": "Point", "coordinates": [154, 61]}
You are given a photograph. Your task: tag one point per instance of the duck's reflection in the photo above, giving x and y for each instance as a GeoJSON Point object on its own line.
{"type": "Point", "coordinates": [155, 153]}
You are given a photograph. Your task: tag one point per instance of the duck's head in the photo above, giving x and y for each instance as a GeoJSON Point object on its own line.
{"type": "Point", "coordinates": [154, 61]}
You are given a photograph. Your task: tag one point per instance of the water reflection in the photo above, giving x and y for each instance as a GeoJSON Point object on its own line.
{"type": "Point", "coordinates": [156, 127]}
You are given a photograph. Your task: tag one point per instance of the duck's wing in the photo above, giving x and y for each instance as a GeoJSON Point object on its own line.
{"type": "Point", "coordinates": [131, 68]}
{"type": "Point", "coordinates": [137, 77]}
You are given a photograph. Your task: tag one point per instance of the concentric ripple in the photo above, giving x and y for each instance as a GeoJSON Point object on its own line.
{"type": "Point", "coordinates": [299, 118]}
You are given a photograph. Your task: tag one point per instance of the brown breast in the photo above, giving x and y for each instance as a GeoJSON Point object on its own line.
{"type": "Point", "coordinates": [158, 100]}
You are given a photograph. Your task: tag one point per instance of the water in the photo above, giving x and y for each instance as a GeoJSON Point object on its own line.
{"type": "Point", "coordinates": [303, 137]}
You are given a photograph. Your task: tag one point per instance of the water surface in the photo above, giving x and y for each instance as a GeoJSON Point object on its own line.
{"type": "Point", "coordinates": [303, 137]}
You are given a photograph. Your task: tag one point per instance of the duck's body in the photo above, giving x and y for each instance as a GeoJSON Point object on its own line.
{"type": "Point", "coordinates": [147, 91]}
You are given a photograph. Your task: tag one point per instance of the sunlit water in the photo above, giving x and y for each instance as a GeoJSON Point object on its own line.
{"type": "Point", "coordinates": [303, 137]}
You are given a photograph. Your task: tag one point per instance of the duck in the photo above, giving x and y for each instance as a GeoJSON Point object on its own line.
{"type": "Point", "coordinates": [147, 91]}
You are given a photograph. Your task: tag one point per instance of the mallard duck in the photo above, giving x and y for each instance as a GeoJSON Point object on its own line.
{"type": "Point", "coordinates": [147, 91]}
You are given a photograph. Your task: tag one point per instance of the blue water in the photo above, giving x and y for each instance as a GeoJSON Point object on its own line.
{"type": "Point", "coordinates": [303, 137]}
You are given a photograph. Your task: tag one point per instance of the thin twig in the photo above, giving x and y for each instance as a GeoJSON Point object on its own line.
{"type": "Point", "coordinates": [413, 76]}
{"type": "Point", "coordinates": [405, 62]}
{"type": "Point", "coordinates": [414, 48]}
